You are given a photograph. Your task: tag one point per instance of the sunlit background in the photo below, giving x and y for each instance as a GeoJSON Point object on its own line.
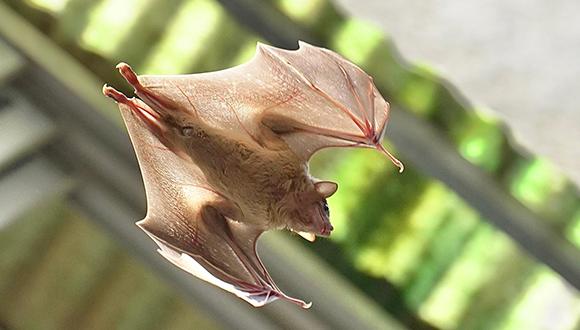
{"type": "Point", "coordinates": [408, 251]}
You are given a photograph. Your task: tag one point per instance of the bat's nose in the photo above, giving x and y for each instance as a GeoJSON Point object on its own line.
{"type": "Point", "coordinates": [326, 229]}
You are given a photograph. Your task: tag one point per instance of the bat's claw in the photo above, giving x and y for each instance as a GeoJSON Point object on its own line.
{"type": "Point", "coordinates": [129, 75]}
{"type": "Point", "coordinates": [111, 92]}
{"type": "Point", "coordinates": [153, 99]}
{"type": "Point", "coordinates": [147, 115]}
{"type": "Point", "coordinates": [393, 159]}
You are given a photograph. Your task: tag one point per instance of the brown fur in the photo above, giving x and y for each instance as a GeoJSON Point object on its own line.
{"type": "Point", "coordinates": [263, 183]}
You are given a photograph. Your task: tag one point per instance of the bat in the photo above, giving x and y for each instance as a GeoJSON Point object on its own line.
{"type": "Point", "coordinates": [224, 156]}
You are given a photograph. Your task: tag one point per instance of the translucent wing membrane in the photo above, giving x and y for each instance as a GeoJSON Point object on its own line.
{"type": "Point", "coordinates": [312, 97]}
{"type": "Point", "coordinates": [185, 218]}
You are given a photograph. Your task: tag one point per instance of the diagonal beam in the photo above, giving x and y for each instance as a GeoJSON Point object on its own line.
{"type": "Point", "coordinates": [429, 152]}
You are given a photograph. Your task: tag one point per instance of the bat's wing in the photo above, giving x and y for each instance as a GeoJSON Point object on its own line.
{"type": "Point", "coordinates": [337, 103]}
{"type": "Point", "coordinates": [311, 97]}
{"type": "Point", "coordinates": [192, 224]}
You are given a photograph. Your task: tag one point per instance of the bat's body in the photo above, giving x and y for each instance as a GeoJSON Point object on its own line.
{"type": "Point", "coordinates": [256, 180]}
{"type": "Point", "coordinates": [224, 156]}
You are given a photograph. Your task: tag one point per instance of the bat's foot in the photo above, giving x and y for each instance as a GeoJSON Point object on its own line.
{"type": "Point", "coordinates": [129, 75]}
{"type": "Point", "coordinates": [156, 101]}
{"type": "Point", "coordinates": [111, 92]}
{"type": "Point", "coordinates": [140, 109]}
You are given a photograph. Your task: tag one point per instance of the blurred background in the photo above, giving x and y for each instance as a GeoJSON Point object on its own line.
{"type": "Point", "coordinates": [477, 233]}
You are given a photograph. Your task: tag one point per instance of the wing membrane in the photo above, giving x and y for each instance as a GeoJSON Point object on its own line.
{"type": "Point", "coordinates": [321, 98]}
{"type": "Point", "coordinates": [188, 221]}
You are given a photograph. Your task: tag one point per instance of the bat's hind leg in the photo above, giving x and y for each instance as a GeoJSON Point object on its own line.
{"type": "Point", "coordinates": [144, 92]}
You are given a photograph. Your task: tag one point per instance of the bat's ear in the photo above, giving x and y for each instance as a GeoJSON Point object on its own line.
{"type": "Point", "coordinates": [326, 188]}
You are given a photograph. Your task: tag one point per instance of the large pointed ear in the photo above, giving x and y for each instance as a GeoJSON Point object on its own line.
{"type": "Point", "coordinates": [326, 188]}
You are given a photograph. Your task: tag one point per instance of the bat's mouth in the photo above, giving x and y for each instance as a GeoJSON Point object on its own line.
{"type": "Point", "coordinates": [326, 227]}
{"type": "Point", "coordinates": [322, 227]}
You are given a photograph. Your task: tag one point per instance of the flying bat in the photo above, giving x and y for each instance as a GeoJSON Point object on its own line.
{"type": "Point", "coordinates": [224, 156]}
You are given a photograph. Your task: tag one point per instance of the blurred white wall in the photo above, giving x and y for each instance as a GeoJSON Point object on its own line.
{"type": "Point", "coordinates": [521, 58]}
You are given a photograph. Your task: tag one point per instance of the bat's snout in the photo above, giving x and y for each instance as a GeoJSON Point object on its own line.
{"type": "Point", "coordinates": [326, 227]}
{"type": "Point", "coordinates": [313, 220]}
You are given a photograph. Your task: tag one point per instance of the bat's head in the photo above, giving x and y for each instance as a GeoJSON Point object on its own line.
{"type": "Point", "coordinates": [312, 216]}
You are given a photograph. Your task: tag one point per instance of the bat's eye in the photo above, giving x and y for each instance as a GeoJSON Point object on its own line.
{"type": "Point", "coordinates": [325, 207]}
{"type": "Point", "coordinates": [187, 131]}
